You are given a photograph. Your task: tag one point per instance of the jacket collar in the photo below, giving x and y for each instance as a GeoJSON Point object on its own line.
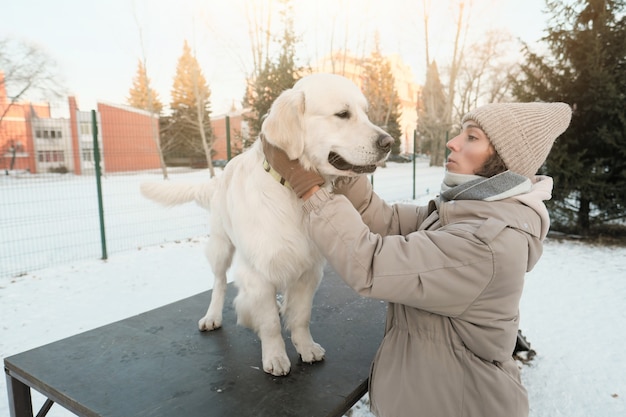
{"type": "Point", "coordinates": [504, 185]}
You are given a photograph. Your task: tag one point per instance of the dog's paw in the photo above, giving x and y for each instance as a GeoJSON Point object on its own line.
{"type": "Point", "coordinates": [278, 365]}
{"type": "Point", "coordinates": [208, 323]}
{"type": "Point", "coordinates": [312, 353]}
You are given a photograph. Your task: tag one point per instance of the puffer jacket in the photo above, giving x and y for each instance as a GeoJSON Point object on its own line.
{"type": "Point", "coordinates": [453, 275]}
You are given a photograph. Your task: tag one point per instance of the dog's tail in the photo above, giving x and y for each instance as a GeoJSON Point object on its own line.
{"type": "Point", "coordinates": [171, 193]}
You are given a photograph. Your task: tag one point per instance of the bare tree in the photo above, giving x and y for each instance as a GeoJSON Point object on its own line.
{"type": "Point", "coordinates": [259, 28]}
{"type": "Point", "coordinates": [201, 100]}
{"type": "Point", "coordinates": [455, 65]}
{"type": "Point", "coordinates": [426, 6]}
{"type": "Point", "coordinates": [26, 70]}
{"type": "Point", "coordinates": [154, 114]}
{"type": "Point", "coordinates": [486, 72]}
{"type": "Point", "coordinates": [437, 155]}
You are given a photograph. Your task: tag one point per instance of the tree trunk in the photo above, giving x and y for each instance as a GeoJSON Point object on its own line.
{"type": "Point", "coordinates": [583, 216]}
{"type": "Point", "coordinates": [156, 136]}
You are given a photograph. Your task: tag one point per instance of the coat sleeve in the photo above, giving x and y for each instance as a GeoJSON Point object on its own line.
{"type": "Point", "coordinates": [379, 216]}
{"type": "Point", "coordinates": [440, 271]}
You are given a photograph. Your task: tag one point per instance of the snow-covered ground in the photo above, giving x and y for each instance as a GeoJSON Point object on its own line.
{"type": "Point", "coordinates": [573, 309]}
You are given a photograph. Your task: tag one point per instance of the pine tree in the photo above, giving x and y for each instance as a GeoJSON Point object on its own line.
{"type": "Point", "coordinates": [273, 77]}
{"type": "Point", "coordinates": [587, 69]}
{"type": "Point", "coordinates": [380, 90]}
{"type": "Point", "coordinates": [187, 133]}
{"type": "Point", "coordinates": [141, 95]}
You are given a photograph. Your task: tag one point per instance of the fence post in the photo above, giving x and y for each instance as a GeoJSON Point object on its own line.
{"type": "Point", "coordinates": [96, 160]}
{"type": "Point", "coordinates": [414, 152]}
{"type": "Point", "coordinates": [227, 138]}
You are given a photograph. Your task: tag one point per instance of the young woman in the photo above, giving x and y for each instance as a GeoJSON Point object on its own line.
{"type": "Point", "coordinates": [452, 271]}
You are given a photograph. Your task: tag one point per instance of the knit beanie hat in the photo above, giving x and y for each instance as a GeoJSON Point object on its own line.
{"type": "Point", "coordinates": [522, 133]}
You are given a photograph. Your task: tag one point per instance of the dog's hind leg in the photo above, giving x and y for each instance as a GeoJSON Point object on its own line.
{"type": "Point", "coordinates": [257, 309]}
{"type": "Point", "coordinates": [219, 252]}
{"type": "Point", "coordinates": [296, 311]}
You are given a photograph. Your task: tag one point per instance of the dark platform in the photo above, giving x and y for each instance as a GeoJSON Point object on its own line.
{"type": "Point", "coordinates": [159, 364]}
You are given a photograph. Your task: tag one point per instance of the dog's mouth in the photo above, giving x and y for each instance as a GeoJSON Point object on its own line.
{"type": "Point", "coordinates": [341, 164]}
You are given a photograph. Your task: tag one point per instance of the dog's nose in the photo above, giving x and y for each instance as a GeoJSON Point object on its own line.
{"type": "Point", "coordinates": [384, 142]}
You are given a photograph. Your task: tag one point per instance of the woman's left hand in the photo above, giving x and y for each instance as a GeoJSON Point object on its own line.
{"type": "Point", "coordinates": [300, 180]}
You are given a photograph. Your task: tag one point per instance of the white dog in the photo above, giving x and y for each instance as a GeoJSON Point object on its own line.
{"type": "Point", "coordinates": [322, 121]}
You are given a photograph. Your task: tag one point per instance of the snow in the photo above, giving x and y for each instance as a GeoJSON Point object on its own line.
{"type": "Point", "coordinates": [573, 308]}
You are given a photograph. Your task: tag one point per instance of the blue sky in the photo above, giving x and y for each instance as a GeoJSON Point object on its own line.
{"type": "Point", "coordinates": [96, 44]}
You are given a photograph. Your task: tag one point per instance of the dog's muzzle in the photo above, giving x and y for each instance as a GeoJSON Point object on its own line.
{"type": "Point", "coordinates": [383, 144]}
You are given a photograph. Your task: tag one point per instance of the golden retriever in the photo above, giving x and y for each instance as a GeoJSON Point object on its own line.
{"type": "Point", "coordinates": [257, 224]}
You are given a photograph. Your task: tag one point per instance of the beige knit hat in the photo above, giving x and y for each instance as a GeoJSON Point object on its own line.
{"type": "Point", "coordinates": [522, 133]}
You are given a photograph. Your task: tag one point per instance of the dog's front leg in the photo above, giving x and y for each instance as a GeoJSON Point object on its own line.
{"type": "Point", "coordinates": [257, 309]}
{"type": "Point", "coordinates": [274, 355]}
{"type": "Point", "coordinates": [297, 313]}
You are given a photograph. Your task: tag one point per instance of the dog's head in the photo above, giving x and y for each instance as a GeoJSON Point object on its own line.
{"type": "Point", "coordinates": [323, 121]}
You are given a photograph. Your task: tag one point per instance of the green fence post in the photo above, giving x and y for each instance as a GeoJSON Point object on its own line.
{"type": "Point", "coordinates": [414, 152]}
{"type": "Point", "coordinates": [96, 160]}
{"type": "Point", "coordinates": [227, 138]}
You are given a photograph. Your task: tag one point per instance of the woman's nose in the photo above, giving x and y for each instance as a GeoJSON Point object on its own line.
{"type": "Point", "coordinates": [453, 144]}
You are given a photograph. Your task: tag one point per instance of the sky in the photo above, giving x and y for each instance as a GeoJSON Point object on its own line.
{"type": "Point", "coordinates": [97, 44]}
{"type": "Point", "coordinates": [572, 309]}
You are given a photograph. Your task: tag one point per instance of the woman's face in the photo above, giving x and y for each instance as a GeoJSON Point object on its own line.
{"type": "Point", "coordinates": [469, 150]}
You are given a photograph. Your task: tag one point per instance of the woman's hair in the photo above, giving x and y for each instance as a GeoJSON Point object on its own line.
{"type": "Point", "coordinates": [492, 166]}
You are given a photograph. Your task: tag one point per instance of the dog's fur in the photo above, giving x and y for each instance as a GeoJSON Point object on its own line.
{"type": "Point", "coordinates": [257, 221]}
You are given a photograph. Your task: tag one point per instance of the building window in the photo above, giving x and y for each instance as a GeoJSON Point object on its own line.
{"type": "Point", "coordinates": [45, 134]}
{"type": "Point", "coordinates": [38, 133]}
{"type": "Point", "coordinates": [85, 128]}
{"type": "Point", "coordinates": [51, 156]}
{"type": "Point", "coordinates": [87, 155]}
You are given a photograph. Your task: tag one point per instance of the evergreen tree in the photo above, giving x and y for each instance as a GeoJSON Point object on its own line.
{"type": "Point", "coordinates": [141, 95]}
{"type": "Point", "coordinates": [187, 134]}
{"type": "Point", "coordinates": [431, 116]}
{"type": "Point", "coordinates": [274, 76]}
{"type": "Point", "coordinates": [379, 87]}
{"type": "Point", "coordinates": [587, 69]}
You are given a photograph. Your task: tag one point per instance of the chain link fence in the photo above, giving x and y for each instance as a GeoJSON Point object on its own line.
{"type": "Point", "coordinates": [69, 186]}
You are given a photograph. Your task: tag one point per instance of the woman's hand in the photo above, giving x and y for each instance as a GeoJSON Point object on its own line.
{"type": "Point", "coordinates": [304, 183]}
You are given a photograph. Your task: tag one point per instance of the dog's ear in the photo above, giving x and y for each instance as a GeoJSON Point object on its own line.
{"type": "Point", "coordinates": [283, 125]}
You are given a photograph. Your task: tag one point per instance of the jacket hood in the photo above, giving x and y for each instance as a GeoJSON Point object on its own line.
{"type": "Point", "coordinates": [525, 213]}
{"type": "Point", "coordinates": [541, 191]}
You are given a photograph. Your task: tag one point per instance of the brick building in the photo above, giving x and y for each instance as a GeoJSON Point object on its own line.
{"type": "Point", "coordinates": [16, 132]}
{"type": "Point", "coordinates": [238, 132]}
{"type": "Point", "coordinates": [32, 140]}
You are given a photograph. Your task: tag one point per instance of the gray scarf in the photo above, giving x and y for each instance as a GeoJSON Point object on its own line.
{"type": "Point", "coordinates": [473, 187]}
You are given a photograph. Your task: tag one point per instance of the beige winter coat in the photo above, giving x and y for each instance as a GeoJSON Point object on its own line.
{"type": "Point", "coordinates": [453, 275]}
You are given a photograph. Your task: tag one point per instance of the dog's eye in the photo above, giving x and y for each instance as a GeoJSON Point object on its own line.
{"type": "Point", "coordinates": [343, 114]}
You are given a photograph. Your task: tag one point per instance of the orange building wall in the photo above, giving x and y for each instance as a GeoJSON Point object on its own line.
{"type": "Point", "coordinates": [74, 129]}
{"type": "Point", "coordinates": [218, 125]}
{"type": "Point", "coordinates": [15, 130]}
{"type": "Point", "coordinates": [127, 141]}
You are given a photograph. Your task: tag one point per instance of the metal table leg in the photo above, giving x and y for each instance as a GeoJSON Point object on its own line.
{"type": "Point", "coordinates": [20, 402]}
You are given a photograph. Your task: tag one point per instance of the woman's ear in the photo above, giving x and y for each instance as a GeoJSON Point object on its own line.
{"type": "Point", "coordinates": [283, 125]}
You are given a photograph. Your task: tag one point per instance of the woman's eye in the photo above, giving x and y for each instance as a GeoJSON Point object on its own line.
{"type": "Point", "coordinates": [343, 114]}
{"type": "Point", "coordinates": [471, 138]}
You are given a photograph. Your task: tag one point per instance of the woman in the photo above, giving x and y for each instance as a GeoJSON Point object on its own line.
{"type": "Point", "coordinates": [452, 271]}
